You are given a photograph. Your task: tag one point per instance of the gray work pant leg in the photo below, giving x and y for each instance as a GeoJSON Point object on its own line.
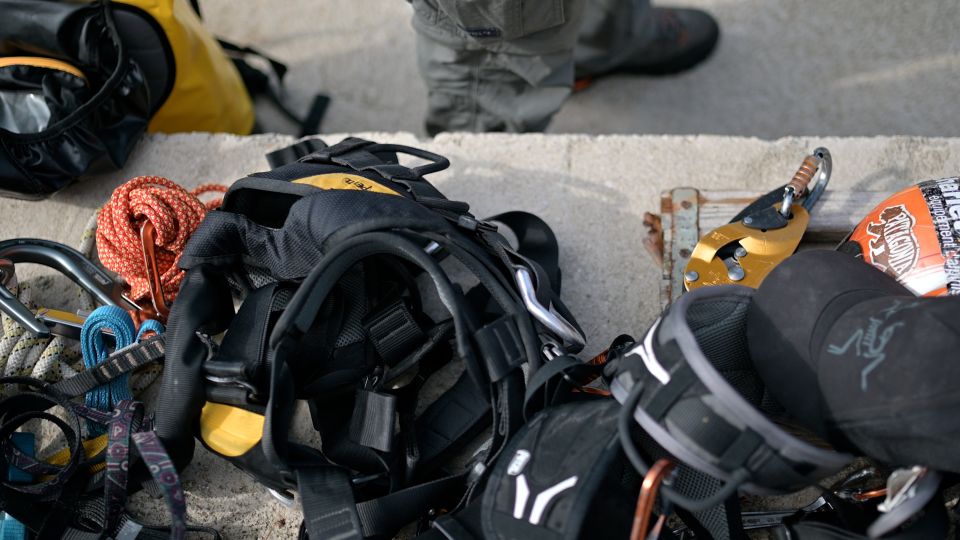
{"type": "Point", "coordinates": [506, 65]}
{"type": "Point", "coordinates": [495, 65]}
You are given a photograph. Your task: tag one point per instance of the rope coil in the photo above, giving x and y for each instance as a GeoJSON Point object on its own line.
{"type": "Point", "coordinates": [175, 214]}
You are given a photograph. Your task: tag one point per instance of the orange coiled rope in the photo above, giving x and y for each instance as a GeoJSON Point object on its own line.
{"type": "Point", "coordinates": [175, 214]}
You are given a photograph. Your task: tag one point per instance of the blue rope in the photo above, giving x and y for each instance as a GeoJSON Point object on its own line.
{"type": "Point", "coordinates": [95, 352]}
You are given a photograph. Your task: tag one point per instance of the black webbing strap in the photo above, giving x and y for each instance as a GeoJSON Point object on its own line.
{"type": "Point", "coordinates": [247, 347]}
{"type": "Point", "coordinates": [454, 417]}
{"type": "Point", "coordinates": [363, 155]}
{"type": "Point", "coordinates": [294, 152]}
{"type": "Point", "coordinates": [539, 394]}
{"type": "Point", "coordinates": [118, 363]}
{"type": "Point", "coordinates": [357, 154]}
{"type": "Point", "coordinates": [535, 241]}
{"type": "Point", "coordinates": [345, 146]}
{"type": "Point", "coordinates": [258, 84]}
{"type": "Point", "coordinates": [662, 398]}
{"type": "Point", "coordinates": [327, 500]}
{"type": "Point", "coordinates": [731, 445]}
{"type": "Point", "coordinates": [394, 332]}
{"type": "Point", "coordinates": [740, 450]}
{"type": "Point", "coordinates": [373, 419]}
{"type": "Point", "coordinates": [436, 336]}
{"type": "Point", "coordinates": [501, 347]}
{"type": "Point", "coordinates": [387, 514]}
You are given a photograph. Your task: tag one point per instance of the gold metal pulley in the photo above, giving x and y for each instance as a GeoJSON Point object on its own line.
{"type": "Point", "coordinates": [768, 231]}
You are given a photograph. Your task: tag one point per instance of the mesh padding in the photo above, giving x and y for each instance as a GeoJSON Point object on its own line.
{"type": "Point", "coordinates": [353, 285]}
{"type": "Point", "coordinates": [292, 251]}
{"type": "Point", "coordinates": [693, 483]}
{"type": "Point", "coordinates": [281, 299]}
{"type": "Point", "coordinates": [720, 329]}
{"type": "Point", "coordinates": [258, 277]}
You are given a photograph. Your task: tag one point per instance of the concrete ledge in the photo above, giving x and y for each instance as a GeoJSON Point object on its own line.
{"type": "Point", "coordinates": [593, 190]}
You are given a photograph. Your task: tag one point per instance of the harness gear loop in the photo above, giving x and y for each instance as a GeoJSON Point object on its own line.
{"type": "Point", "coordinates": [147, 256]}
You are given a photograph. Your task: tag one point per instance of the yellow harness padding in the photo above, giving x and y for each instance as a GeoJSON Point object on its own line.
{"type": "Point", "coordinates": [91, 447]}
{"type": "Point", "coordinates": [230, 431]}
{"type": "Point", "coordinates": [42, 62]}
{"type": "Point", "coordinates": [208, 93]}
{"type": "Point", "coordinates": [344, 181]}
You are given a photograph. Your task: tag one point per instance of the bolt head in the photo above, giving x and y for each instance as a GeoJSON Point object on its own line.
{"type": "Point", "coordinates": [740, 252]}
{"type": "Point", "coordinates": [748, 220]}
{"type": "Point", "coordinates": [691, 275]}
{"type": "Point", "coordinates": [735, 273]}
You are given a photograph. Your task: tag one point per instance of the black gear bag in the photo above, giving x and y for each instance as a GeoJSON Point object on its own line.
{"type": "Point", "coordinates": [359, 284]}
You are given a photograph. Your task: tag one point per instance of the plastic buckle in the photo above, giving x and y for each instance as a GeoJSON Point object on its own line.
{"type": "Point", "coordinates": [547, 316]}
{"type": "Point", "coordinates": [473, 224]}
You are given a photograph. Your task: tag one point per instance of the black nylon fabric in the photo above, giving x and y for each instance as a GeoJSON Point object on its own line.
{"type": "Point", "coordinates": [373, 313]}
{"type": "Point", "coordinates": [878, 358]}
{"type": "Point", "coordinates": [313, 222]}
{"type": "Point", "coordinates": [61, 92]}
{"type": "Point", "coordinates": [203, 305]}
{"type": "Point", "coordinates": [104, 121]}
{"type": "Point", "coordinates": [573, 445]}
{"type": "Point", "coordinates": [809, 290]}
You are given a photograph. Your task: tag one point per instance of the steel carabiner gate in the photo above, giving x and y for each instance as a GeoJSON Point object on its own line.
{"type": "Point", "coordinates": [70, 263]}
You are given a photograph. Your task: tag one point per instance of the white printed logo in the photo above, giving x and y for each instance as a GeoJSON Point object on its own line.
{"type": "Point", "coordinates": [541, 501]}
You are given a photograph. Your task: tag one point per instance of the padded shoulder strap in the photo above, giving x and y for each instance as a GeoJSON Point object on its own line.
{"type": "Point", "coordinates": [203, 304]}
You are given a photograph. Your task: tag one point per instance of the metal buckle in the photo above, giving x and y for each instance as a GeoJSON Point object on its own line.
{"type": "Point", "coordinates": [232, 381]}
{"type": "Point", "coordinates": [908, 491]}
{"type": "Point", "coordinates": [285, 498]}
{"type": "Point", "coordinates": [547, 316]}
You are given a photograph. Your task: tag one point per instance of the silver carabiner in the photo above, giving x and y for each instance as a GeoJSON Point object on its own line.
{"type": "Point", "coordinates": [70, 263]}
{"type": "Point", "coordinates": [547, 316]}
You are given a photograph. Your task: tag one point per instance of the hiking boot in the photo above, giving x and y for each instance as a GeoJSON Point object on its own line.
{"type": "Point", "coordinates": [684, 38]}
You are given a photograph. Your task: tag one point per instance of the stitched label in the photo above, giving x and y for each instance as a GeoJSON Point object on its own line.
{"type": "Point", "coordinates": [489, 32]}
{"type": "Point", "coordinates": [345, 181]}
